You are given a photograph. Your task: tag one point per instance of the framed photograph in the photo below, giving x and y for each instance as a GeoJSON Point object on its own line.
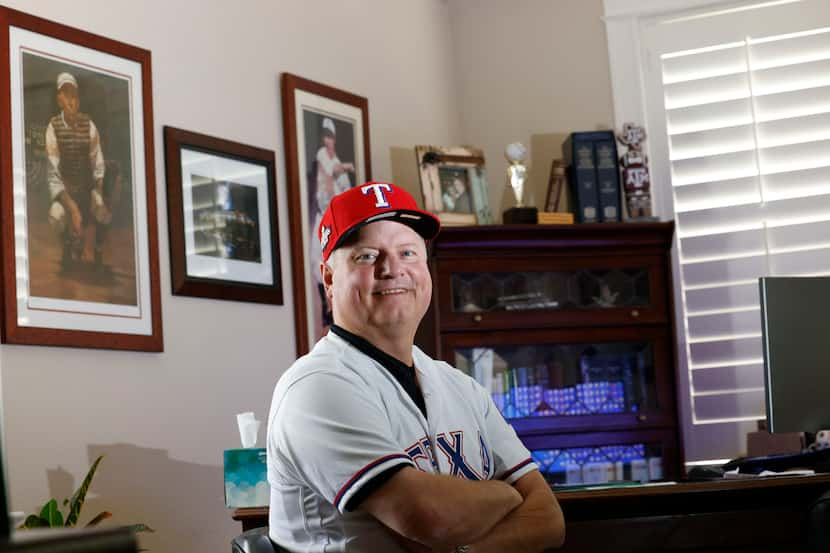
{"type": "Point", "coordinates": [222, 212]}
{"type": "Point", "coordinates": [454, 184]}
{"type": "Point", "coordinates": [79, 230]}
{"type": "Point", "coordinates": [326, 152]}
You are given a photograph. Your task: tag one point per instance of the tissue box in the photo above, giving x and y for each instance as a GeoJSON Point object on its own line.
{"type": "Point", "coordinates": [246, 483]}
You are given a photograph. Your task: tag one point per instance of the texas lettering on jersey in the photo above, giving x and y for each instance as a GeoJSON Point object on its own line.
{"type": "Point", "coordinates": [451, 446]}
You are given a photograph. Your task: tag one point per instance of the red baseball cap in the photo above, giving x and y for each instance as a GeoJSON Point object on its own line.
{"type": "Point", "coordinates": [367, 203]}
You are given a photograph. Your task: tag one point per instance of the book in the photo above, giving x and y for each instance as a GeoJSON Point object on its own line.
{"type": "Point", "coordinates": [578, 155]}
{"type": "Point", "coordinates": [608, 178]}
{"type": "Point", "coordinates": [556, 182]}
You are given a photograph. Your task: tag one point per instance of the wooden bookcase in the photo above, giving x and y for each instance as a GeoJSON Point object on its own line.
{"type": "Point", "coordinates": [571, 329]}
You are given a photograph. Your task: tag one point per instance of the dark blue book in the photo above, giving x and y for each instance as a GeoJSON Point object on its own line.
{"type": "Point", "coordinates": [578, 155]}
{"type": "Point", "coordinates": [608, 178]}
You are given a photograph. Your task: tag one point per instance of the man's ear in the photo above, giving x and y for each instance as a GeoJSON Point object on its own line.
{"type": "Point", "coordinates": [328, 275]}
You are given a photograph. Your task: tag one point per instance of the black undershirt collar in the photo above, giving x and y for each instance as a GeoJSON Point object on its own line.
{"type": "Point", "coordinates": [404, 374]}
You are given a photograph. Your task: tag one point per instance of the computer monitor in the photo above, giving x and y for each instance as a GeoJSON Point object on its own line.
{"type": "Point", "coordinates": [795, 322]}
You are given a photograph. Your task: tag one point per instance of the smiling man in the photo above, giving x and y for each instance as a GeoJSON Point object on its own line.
{"type": "Point", "coordinates": [372, 445]}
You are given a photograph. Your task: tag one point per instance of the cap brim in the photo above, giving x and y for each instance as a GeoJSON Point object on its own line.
{"type": "Point", "coordinates": [426, 225]}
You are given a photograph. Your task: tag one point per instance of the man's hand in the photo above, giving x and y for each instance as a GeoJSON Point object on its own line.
{"type": "Point", "coordinates": [440, 511]}
{"type": "Point", "coordinates": [536, 525]}
{"type": "Point", "coordinates": [74, 212]}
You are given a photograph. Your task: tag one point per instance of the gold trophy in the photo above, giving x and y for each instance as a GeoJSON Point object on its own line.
{"type": "Point", "coordinates": [516, 154]}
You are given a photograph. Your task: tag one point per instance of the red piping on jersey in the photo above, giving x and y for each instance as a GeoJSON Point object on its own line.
{"type": "Point", "coordinates": [363, 471]}
{"type": "Point", "coordinates": [507, 474]}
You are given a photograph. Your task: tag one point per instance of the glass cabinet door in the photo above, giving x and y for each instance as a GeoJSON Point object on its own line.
{"type": "Point", "coordinates": [560, 375]}
{"type": "Point", "coordinates": [564, 379]}
{"type": "Point", "coordinates": [526, 292]}
{"type": "Point", "coordinates": [598, 457]}
{"type": "Point", "coordinates": [632, 462]}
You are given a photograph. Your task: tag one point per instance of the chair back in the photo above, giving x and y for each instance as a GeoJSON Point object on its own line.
{"type": "Point", "coordinates": [255, 541]}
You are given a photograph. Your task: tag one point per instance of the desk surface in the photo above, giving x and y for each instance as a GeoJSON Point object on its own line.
{"type": "Point", "coordinates": [746, 515]}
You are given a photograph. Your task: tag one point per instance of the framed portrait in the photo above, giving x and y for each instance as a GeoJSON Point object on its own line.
{"type": "Point", "coordinates": [79, 234]}
{"type": "Point", "coordinates": [222, 213]}
{"type": "Point", "coordinates": [326, 152]}
{"type": "Point", "coordinates": [454, 184]}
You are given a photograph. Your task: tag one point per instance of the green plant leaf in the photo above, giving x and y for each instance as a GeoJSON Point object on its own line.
{"type": "Point", "coordinates": [51, 514]}
{"type": "Point", "coordinates": [65, 501]}
{"type": "Point", "coordinates": [77, 501]}
{"type": "Point", "coordinates": [140, 528]}
{"type": "Point", "coordinates": [34, 521]}
{"type": "Point", "coordinates": [103, 515]}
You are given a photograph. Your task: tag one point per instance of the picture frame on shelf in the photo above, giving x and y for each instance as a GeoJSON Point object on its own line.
{"type": "Point", "coordinates": [79, 230]}
{"type": "Point", "coordinates": [222, 213]}
{"type": "Point", "coordinates": [454, 184]}
{"type": "Point", "coordinates": [326, 152]}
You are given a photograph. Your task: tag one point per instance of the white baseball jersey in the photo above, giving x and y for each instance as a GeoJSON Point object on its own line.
{"type": "Point", "coordinates": [339, 418]}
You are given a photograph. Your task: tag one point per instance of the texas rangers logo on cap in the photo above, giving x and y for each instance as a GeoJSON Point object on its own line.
{"type": "Point", "coordinates": [367, 203]}
{"type": "Point", "coordinates": [380, 189]}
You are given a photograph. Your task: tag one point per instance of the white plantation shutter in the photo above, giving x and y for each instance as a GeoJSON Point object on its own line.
{"type": "Point", "coordinates": [741, 103]}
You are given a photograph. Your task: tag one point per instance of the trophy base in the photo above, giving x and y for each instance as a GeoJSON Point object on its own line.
{"type": "Point", "coordinates": [520, 216]}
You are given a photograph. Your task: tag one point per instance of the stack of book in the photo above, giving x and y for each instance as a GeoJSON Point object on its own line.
{"type": "Point", "coordinates": [593, 174]}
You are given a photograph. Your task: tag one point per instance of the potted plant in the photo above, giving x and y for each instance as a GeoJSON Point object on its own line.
{"type": "Point", "coordinates": [51, 516]}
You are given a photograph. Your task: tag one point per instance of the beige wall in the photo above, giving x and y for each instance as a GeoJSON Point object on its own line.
{"type": "Point", "coordinates": [164, 419]}
{"type": "Point", "coordinates": [527, 67]}
{"type": "Point", "coordinates": [483, 72]}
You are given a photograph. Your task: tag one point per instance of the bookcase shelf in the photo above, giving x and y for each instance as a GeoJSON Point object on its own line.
{"type": "Point", "coordinates": [570, 328]}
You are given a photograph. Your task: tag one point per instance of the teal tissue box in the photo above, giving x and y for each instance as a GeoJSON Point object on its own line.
{"type": "Point", "coordinates": [246, 482]}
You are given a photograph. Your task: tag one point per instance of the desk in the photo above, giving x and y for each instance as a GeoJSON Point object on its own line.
{"type": "Point", "coordinates": [746, 516]}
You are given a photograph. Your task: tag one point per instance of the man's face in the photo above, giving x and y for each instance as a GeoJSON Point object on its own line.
{"type": "Point", "coordinates": [328, 142]}
{"type": "Point", "coordinates": [68, 99]}
{"type": "Point", "coordinates": [379, 280]}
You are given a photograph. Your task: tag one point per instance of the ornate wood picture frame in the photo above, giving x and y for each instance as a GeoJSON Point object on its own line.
{"type": "Point", "coordinates": [79, 230]}
{"type": "Point", "coordinates": [326, 152]}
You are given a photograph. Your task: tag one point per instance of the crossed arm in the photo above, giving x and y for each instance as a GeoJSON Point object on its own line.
{"type": "Point", "coordinates": [437, 513]}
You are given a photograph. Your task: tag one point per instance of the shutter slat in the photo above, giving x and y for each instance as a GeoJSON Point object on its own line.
{"type": "Point", "coordinates": [743, 322]}
{"type": "Point", "coordinates": [730, 377]}
{"type": "Point", "coordinates": [733, 243]}
{"type": "Point", "coordinates": [735, 297]}
{"type": "Point", "coordinates": [731, 406]}
{"type": "Point", "coordinates": [710, 116]}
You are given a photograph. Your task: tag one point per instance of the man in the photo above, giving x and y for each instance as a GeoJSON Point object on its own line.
{"type": "Point", "coordinates": [332, 178]}
{"type": "Point", "coordinates": [372, 445]}
{"type": "Point", "coordinates": [76, 177]}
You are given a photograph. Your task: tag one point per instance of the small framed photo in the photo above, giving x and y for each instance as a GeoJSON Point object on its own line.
{"type": "Point", "coordinates": [222, 211]}
{"type": "Point", "coordinates": [454, 184]}
{"type": "Point", "coordinates": [326, 152]}
{"type": "Point", "coordinates": [79, 235]}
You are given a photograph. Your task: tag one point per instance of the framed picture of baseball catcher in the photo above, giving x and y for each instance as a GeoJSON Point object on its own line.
{"type": "Point", "coordinates": [222, 213]}
{"type": "Point", "coordinates": [326, 152]}
{"type": "Point", "coordinates": [79, 234]}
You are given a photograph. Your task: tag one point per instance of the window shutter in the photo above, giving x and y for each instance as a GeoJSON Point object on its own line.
{"type": "Point", "coordinates": [747, 132]}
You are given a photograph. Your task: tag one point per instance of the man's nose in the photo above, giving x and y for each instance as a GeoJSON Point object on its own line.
{"type": "Point", "coordinates": [388, 265]}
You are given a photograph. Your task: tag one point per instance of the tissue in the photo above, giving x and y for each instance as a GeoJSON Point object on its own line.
{"type": "Point", "coordinates": [248, 429]}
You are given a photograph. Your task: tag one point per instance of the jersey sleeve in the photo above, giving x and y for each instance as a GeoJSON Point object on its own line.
{"type": "Point", "coordinates": [511, 458]}
{"type": "Point", "coordinates": [331, 434]}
